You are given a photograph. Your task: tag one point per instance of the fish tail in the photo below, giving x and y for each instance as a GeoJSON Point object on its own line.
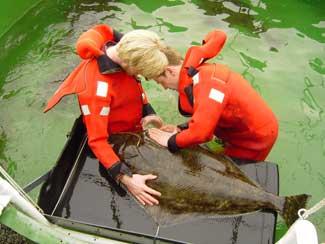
{"type": "Point", "coordinates": [291, 206]}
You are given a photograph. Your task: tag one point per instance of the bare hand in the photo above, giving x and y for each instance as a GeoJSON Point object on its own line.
{"type": "Point", "coordinates": [138, 188]}
{"type": "Point", "coordinates": [170, 128]}
{"type": "Point", "coordinates": [153, 119]}
{"type": "Point", "coordinates": [160, 136]}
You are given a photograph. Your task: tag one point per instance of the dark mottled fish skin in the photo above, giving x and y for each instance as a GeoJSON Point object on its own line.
{"type": "Point", "coordinates": [196, 182]}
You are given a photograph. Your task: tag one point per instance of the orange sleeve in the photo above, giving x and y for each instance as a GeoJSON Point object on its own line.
{"type": "Point", "coordinates": [96, 115]}
{"type": "Point", "coordinates": [210, 98]}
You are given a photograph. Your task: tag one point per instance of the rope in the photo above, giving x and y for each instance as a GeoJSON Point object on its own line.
{"type": "Point", "coordinates": [304, 213]}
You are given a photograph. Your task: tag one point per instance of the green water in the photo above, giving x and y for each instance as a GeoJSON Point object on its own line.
{"type": "Point", "coordinates": [277, 45]}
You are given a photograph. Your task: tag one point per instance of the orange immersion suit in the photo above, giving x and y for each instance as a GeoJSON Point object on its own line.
{"type": "Point", "coordinates": [222, 103]}
{"type": "Point", "coordinates": [110, 100]}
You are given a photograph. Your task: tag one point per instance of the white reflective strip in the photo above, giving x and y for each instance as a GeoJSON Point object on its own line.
{"type": "Point", "coordinates": [143, 96]}
{"type": "Point", "coordinates": [196, 79]}
{"type": "Point", "coordinates": [216, 95]}
{"type": "Point", "coordinates": [102, 88]}
{"type": "Point", "coordinates": [105, 111]}
{"type": "Point", "coordinates": [85, 109]}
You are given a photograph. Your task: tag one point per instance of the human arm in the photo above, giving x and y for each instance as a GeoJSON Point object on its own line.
{"type": "Point", "coordinates": [96, 116]}
{"type": "Point", "coordinates": [210, 98]}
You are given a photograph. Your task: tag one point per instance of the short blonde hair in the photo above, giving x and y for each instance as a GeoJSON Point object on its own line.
{"type": "Point", "coordinates": [146, 54]}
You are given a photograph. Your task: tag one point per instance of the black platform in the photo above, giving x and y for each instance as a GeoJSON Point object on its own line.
{"type": "Point", "coordinates": [77, 196]}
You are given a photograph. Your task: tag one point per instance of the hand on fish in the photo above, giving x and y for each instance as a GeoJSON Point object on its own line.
{"type": "Point", "coordinates": [160, 136]}
{"type": "Point", "coordinates": [138, 188]}
{"type": "Point", "coordinates": [170, 128]}
{"type": "Point", "coordinates": [197, 181]}
{"type": "Point", "coordinates": [152, 119]}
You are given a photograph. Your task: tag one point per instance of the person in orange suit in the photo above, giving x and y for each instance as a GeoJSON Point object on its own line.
{"type": "Point", "coordinates": [111, 100]}
{"type": "Point", "coordinates": [219, 102]}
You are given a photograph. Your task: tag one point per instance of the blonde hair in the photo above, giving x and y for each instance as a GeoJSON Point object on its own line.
{"type": "Point", "coordinates": [145, 54]}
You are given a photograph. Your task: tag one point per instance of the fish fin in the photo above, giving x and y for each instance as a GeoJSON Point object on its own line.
{"type": "Point", "coordinates": [291, 206]}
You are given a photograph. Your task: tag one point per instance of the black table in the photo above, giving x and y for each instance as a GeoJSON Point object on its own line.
{"type": "Point", "coordinates": [76, 195]}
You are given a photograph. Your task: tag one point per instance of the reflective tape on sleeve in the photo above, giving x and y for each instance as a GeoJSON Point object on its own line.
{"type": "Point", "coordinates": [216, 95]}
{"type": "Point", "coordinates": [102, 89]}
{"type": "Point", "coordinates": [104, 111]}
{"type": "Point", "coordinates": [85, 109]}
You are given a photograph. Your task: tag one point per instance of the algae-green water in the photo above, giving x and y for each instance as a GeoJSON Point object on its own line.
{"type": "Point", "coordinates": [277, 45]}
